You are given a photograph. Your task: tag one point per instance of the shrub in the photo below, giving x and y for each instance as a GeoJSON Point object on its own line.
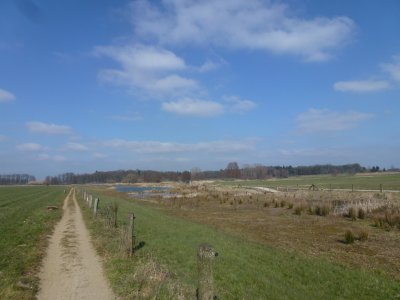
{"type": "Point", "coordinates": [349, 237]}
{"type": "Point", "coordinates": [290, 205]}
{"type": "Point", "coordinates": [266, 204]}
{"type": "Point", "coordinates": [283, 203]}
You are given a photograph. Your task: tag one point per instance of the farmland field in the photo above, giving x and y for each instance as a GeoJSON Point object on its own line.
{"type": "Point", "coordinates": [266, 251]}
{"type": "Point", "coordinates": [389, 181]}
{"type": "Point", "coordinates": [24, 224]}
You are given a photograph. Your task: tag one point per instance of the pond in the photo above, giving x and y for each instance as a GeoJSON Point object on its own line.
{"type": "Point", "coordinates": [140, 189]}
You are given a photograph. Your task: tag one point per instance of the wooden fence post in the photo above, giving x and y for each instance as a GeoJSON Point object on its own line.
{"type": "Point", "coordinates": [205, 258]}
{"type": "Point", "coordinates": [95, 207]}
{"type": "Point", "coordinates": [131, 234]}
{"type": "Point", "coordinates": [381, 187]}
{"type": "Point", "coordinates": [352, 187]}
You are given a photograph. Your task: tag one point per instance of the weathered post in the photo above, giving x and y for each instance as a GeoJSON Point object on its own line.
{"type": "Point", "coordinates": [95, 207]}
{"type": "Point", "coordinates": [90, 201]}
{"type": "Point", "coordinates": [381, 187]}
{"type": "Point", "coordinates": [131, 234]}
{"type": "Point", "coordinates": [352, 187]}
{"type": "Point", "coordinates": [205, 259]}
{"type": "Point", "coordinates": [330, 187]}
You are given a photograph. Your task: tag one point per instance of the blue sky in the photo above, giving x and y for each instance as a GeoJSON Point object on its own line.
{"type": "Point", "coordinates": [175, 84]}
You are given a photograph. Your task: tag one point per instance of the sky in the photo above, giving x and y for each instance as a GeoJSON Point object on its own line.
{"type": "Point", "coordinates": [90, 85]}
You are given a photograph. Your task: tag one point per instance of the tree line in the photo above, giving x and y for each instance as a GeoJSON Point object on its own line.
{"type": "Point", "coordinates": [16, 179]}
{"type": "Point", "coordinates": [232, 171]}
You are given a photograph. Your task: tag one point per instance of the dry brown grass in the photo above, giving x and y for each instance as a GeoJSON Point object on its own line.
{"type": "Point", "coordinates": [264, 217]}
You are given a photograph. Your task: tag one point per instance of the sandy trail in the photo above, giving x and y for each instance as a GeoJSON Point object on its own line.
{"type": "Point", "coordinates": [71, 268]}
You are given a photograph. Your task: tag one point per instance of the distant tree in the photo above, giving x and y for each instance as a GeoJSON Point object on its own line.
{"type": "Point", "coordinates": [186, 177]}
{"type": "Point", "coordinates": [196, 173]}
{"type": "Point", "coordinates": [232, 170]}
{"type": "Point", "coordinates": [130, 178]}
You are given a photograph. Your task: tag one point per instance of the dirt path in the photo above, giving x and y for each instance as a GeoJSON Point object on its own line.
{"type": "Point", "coordinates": [71, 268]}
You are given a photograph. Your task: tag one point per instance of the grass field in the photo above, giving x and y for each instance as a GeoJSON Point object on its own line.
{"type": "Point", "coordinates": [361, 181]}
{"type": "Point", "coordinates": [245, 268]}
{"type": "Point", "coordinates": [24, 224]}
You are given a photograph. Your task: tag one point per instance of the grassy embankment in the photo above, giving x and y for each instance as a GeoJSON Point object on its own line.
{"type": "Point", "coordinates": [166, 265]}
{"type": "Point", "coordinates": [390, 181]}
{"type": "Point", "coordinates": [24, 224]}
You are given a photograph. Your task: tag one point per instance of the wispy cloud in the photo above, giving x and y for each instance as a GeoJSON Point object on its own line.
{"type": "Point", "coordinates": [48, 128]}
{"type": "Point", "coordinates": [250, 24]}
{"type": "Point", "coordinates": [236, 104]}
{"type": "Point", "coordinates": [30, 147]}
{"type": "Point", "coordinates": [6, 96]}
{"type": "Point", "coordinates": [361, 86]}
{"type": "Point", "coordinates": [324, 120]}
{"type": "Point", "coordinates": [151, 69]}
{"type": "Point", "coordinates": [393, 68]}
{"type": "Point", "coordinates": [193, 107]}
{"type": "Point", "coordinates": [204, 108]}
{"type": "Point", "coordinates": [76, 147]}
{"type": "Point", "coordinates": [156, 147]}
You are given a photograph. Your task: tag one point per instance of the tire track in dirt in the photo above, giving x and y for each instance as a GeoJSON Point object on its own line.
{"type": "Point", "coordinates": [71, 268]}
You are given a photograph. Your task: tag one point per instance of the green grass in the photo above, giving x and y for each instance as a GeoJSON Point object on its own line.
{"type": "Point", "coordinates": [360, 182]}
{"type": "Point", "coordinates": [24, 223]}
{"type": "Point", "coordinates": [243, 270]}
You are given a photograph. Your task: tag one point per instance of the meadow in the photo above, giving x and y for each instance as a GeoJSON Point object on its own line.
{"type": "Point", "coordinates": [266, 249]}
{"type": "Point", "coordinates": [25, 223]}
{"type": "Point", "coordinates": [361, 181]}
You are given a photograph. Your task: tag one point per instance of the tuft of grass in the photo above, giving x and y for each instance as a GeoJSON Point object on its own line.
{"type": "Point", "coordinates": [361, 213]}
{"type": "Point", "coordinates": [322, 210]}
{"type": "Point", "coordinates": [298, 210]}
{"type": "Point", "coordinates": [363, 236]}
{"type": "Point", "coordinates": [290, 205]}
{"type": "Point", "coordinates": [349, 237]}
{"type": "Point", "coordinates": [352, 213]}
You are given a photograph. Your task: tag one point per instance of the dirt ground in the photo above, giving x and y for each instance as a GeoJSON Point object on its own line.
{"type": "Point", "coordinates": [71, 268]}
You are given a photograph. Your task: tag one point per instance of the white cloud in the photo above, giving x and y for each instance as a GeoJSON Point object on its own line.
{"type": "Point", "coordinates": [156, 147]}
{"type": "Point", "coordinates": [193, 107]}
{"type": "Point", "coordinates": [235, 104]}
{"type": "Point", "coordinates": [29, 147]}
{"type": "Point", "coordinates": [323, 120]}
{"type": "Point", "coordinates": [6, 96]}
{"type": "Point", "coordinates": [46, 128]}
{"type": "Point", "coordinates": [394, 68]}
{"type": "Point", "coordinates": [146, 68]}
{"type": "Point", "coordinates": [76, 147]}
{"type": "Point", "coordinates": [208, 66]}
{"type": "Point", "coordinates": [361, 86]}
{"type": "Point", "coordinates": [55, 158]}
{"type": "Point", "coordinates": [251, 24]}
